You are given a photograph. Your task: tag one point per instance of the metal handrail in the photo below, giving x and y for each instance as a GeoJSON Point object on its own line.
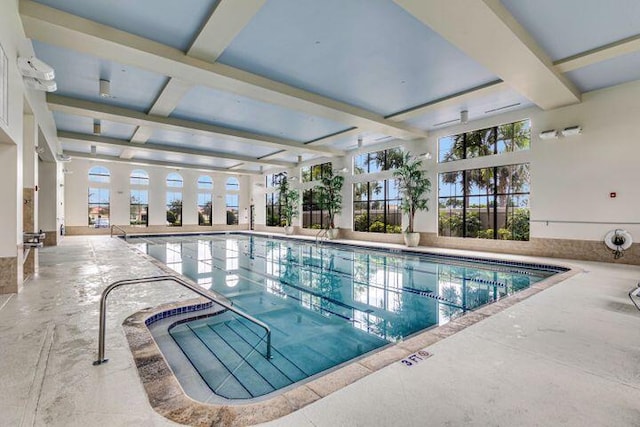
{"type": "Point", "coordinates": [119, 228]}
{"type": "Point", "coordinates": [635, 292]}
{"type": "Point", "coordinates": [321, 233]}
{"type": "Point", "coordinates": [200, 291]}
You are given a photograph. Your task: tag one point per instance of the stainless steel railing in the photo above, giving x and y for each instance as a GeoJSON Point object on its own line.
{"type": "Point", "coordinates": [321, 234]}
{"type": "Point", "coordinates": [119, 228]}
{"type": "Point", "coordinates": [200, 291]}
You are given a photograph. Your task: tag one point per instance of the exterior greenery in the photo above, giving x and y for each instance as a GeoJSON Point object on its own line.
{"type": "Point", "coordinates": [330, 196]}
{"type": "Point", "coordinates": [491, 202]}
{"type": "Point", "coordinates": [414, 186]}
{"type": "Point", "coordinates": [289, 200]}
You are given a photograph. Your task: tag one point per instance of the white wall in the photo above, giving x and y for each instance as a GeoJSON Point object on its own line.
{"type": "Point", "coordinates": [571, 177]}
{"type": "Point", "coordinates": [76, 187]}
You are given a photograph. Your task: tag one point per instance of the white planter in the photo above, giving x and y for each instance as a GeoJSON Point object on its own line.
{"type": "Point", "coordinates": [332, 233]}
{"type": "Point", "coordinates": [288, 230]}
{"type": "Point", "coordinates": [411, 239]}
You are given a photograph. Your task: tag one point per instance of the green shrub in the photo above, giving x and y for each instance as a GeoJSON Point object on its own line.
{"type": "Point", "coordinates": [518, 224]}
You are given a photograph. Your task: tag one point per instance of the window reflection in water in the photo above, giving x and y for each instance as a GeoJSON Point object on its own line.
{"type": "Point", "coordinates": [174, 256]}
{"type": "Point", "coordinates": [388, 296]}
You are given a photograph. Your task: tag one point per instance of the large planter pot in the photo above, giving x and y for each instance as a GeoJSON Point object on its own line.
{"type": "Point", "coordinates": [411, 239]}
{"type": "Point", "coordinates": [332, 233]}
{"type": "Point", "coordinates": [288, 230]}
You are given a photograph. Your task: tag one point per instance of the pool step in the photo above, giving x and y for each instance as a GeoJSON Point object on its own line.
{"type": "Point", "coordinates": [229, 351]}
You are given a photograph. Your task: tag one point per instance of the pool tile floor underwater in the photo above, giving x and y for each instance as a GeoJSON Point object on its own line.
{"type": "Point", "coordinates": [565, 356]}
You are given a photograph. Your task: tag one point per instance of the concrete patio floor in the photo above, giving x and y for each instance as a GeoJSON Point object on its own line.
{"type": "Point", "coordinates": [569, 355]}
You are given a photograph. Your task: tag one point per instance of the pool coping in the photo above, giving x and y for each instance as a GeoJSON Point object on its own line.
{"type": "Point", "coordinates": [167, 397]}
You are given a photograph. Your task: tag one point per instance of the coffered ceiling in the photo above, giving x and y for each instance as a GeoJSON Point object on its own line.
{"type": "Point", "coordinates": [238, 86]}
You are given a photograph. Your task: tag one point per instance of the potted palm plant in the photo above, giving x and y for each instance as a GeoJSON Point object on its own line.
{"type": "Point", "coordinates": [330, 199]}
{"type": "Point", "coordinates": [289, 208]}
{"type": "Point", "coordinates": [414, 186]}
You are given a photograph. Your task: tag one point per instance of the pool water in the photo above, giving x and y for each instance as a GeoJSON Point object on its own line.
{"type": "Point", "coordinates": [325, 304]}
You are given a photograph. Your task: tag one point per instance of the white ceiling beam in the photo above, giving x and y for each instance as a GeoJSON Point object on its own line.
{"type": "Point", "coordinates": [72, 32]}
{"type": "Point", "coordinates": [486, 31]}
{"type": "Point", "coordinates": [225, 23]}
{"type": "Point", "coordinates": [228, 18]}
{"type": "Point", "coordinates": [123, 115]}
{"type": "Point", "coordinates": [599, 54]}
{"type": "Point", "coordinates": [106, 141]}
{"type": "Point", "coordinates": [173, 165]}
{"type": "Point", "coordinates": [450, 101]}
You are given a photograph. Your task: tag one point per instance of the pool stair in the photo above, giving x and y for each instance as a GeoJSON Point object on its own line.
{"type": "Point", "coordinates": [224, 349]}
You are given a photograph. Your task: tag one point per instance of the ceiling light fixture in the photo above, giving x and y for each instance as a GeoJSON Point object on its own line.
{"type": "Point", "coordinates": [493, 110]}
{"type": "Point", "coordinates": [464, 116]}
{"type": "Point", "coordinates": [571, 131]}
{"type": "Point", "coordinates": [94, 150]}
{"type": "Point", "coordinates": [445, 123]}
{"type": "Point", "coordinates": [549, 134]}
{"type": "Point", "coordinates": [105, 88]}
{"type": "Point", "coordinates": [97, 127]}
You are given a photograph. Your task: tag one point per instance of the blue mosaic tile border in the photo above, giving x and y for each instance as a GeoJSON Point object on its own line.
{"type": "Point", "coordinates": [177, 311]}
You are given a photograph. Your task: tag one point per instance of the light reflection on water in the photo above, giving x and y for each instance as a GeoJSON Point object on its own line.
{"type": "Point", "coordinates": [387, 295]}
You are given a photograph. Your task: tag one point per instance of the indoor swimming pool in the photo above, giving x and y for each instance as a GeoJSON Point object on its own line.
{"type": "Point", "coordinates": [326, 304]}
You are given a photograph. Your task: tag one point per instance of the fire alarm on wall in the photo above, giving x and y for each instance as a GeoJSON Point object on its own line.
{"type": "Point", "coordinates": [613, 194]}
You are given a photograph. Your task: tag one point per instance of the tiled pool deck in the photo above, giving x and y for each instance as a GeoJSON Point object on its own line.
{"type": "Point", "coordinates": [567, 356]}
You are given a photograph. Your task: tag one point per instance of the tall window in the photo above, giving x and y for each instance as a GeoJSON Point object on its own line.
{"type": "Point", "coordinates": [490, 202]}
{"type": "Point", "coordinates": [487, 203]}
{"type": "Point", "coordinates": [377, 161]}
{"type": "Point", "coordinates": [376, 207]}
{"type": "Point", "coordinates": [174, 199]}
{"type": "Point", "coordinates": [312, 215]}
{"type": "Point", "coordinates": [233, 200]}
{"type": "Point", "coordinates": [273, 204]}
{"type": "Point", "coordinates": [205, 200]}
{"type": "Point", "coordinates": [139, 198]}
{"type": "Point", "coordinates": [315, 172]}
{"type": "Point", "coordinates": [99, 198]}
{"type": "Point", "coordinates": [484, 142]}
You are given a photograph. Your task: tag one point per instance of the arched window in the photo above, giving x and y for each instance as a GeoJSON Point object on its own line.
{"type": "Point", "coordinates": [205, 200]}
{"type": "Point", "coordinates": [174, 199]}
{"type": "Point", "coordinates": [99, 204]}
{"type": "Point", "coordinates": [139, 198]}
{"type": "Point", "coordinates": [233, 200]}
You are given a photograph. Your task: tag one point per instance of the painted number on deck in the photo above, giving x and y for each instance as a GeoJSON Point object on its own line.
{"type": "Point", "coordinates": [415, 358]}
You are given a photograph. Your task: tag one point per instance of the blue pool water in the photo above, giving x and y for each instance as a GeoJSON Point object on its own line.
{"type": "Point", "coordinates": [326, 304]}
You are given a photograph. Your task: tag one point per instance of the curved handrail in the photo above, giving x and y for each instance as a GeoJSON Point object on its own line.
{"type": "Point", "coordinates": [202, 292]}
{"type": "Point", "coordinates": [119, 228]}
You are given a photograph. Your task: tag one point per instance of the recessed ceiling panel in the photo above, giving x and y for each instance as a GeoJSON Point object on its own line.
{"type": "Point", "coordinates": [238, 112]}
{"type": "Point", "coordinates": [565, 28]}
{"type": "Point", "coordinates": [368, 53]}
{"type": "Point", "coordinates": [615, 71]}
{"type": "Point", "coordinates": [170, 22]}
{"type": "Point", "coordinates": [85, 147]}
{"type": "Point", "coordinates": [201, 142]}
{"type": "Point", "coordinates": [78, 76]}
{"type": "Point", "coordinates": [479, 108]}
{"type": "Point", "coordinates": [183, 158]}
{"type": "Point", "coordinates": [80, 124]}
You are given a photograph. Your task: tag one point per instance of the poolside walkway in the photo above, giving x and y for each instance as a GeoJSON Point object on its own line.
{"type": "Point", "coordinates": [569, 355]}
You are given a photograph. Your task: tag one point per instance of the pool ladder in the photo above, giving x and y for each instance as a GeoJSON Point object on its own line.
{"type": "Point", "coordinates": [635, 292]}
{"type": "Point", "coordinates": [117, 227]}
{"type": "Point", "coordinates": [198, 290]}
{"type": "Point", "coordinates": [322, 235]}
